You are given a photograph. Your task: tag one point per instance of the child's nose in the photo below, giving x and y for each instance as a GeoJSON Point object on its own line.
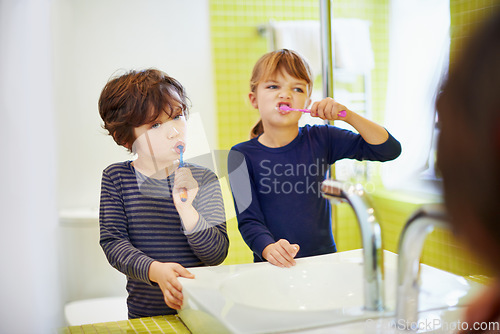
{"type": "Point", "coordinates": [172, 132]}
{"type": "Point", "coordinates": [285, 93]}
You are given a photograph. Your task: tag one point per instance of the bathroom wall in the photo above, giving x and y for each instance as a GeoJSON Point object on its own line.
{"type": "Point", "coordinates": [29, 285]}
{"type": "Point", "coordinates": [237, 45]}
{"type": "Point", "coordinates": [465, 15]}
{"type": "Point", "coordinates": [91, 41]}
{"type": "Point", "coordinates": [441, 248]}
{"type": "Point", "coordinates": [95, 39]}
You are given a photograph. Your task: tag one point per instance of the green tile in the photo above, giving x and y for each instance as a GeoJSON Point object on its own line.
{"type": "Point", "coordinates": [236, 46]}
{"type": "Point", "coordinates": [154, 325]}
{"type": "Point", "coordinates": [170, 324]}
{"type": "Point", "coordinates": [64, 330]}
{"type": "Point", "coordinates": [88, 329]}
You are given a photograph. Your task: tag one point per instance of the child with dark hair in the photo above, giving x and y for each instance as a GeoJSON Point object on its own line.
{"type": "Point", "coordinates": [275, 177]}
{"type": "Point", "coordinates": [469, 158]}
{"type": "Point", "coordinates": [156, 216]}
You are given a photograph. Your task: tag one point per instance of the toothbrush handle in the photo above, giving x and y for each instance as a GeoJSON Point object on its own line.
{"type": "Point", "coordinates": [184, 194]}
{"type": "Point", "coordinates": [342, 113]}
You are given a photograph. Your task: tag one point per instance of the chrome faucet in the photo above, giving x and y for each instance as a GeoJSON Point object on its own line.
{"type": "Point", "coordinates": [371, 237]}
{"type": "Point", "coordinates": [411, 242]}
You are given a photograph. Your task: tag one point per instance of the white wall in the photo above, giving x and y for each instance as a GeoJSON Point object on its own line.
{"type": "Point", "coordinates": [29, 285]}
{"type": "Point", "coordinates": [55, 57]}
{"type": "Point", "coordinates": [93, 39]}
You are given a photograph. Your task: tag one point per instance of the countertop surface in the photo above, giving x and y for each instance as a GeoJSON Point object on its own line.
{"type": "Point", "coordinates": [160, 324]}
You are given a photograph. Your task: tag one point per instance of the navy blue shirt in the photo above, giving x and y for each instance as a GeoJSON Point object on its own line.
{"type": "Point", "coordinates": [277, 190]}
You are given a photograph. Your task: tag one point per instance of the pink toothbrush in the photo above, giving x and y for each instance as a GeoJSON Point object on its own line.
{"type": "Point", "coordinates": [287, 108]}
{"type": "Point", "coordinates": [342, 113]}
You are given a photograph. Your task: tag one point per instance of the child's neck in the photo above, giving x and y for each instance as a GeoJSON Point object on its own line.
{"type": "Point", "coordinates": [278, 137]}
{"type": "Point", "coordinates": [154, 169]}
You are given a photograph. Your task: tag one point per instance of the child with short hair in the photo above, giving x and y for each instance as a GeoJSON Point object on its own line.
{"type": "Point", "coordinates": [148, 231]}
{"type": "Point", "coordinates": [281, 213]}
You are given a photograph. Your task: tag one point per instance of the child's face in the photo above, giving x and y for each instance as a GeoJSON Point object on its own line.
{"type": "Point", "coordinates": [159, 140]}
{"type": "Point", "coordinates": [283, 89]}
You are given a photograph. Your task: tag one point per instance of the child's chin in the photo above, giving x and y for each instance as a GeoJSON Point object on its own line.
{"type": "Point", "coordinates": [167, 159]}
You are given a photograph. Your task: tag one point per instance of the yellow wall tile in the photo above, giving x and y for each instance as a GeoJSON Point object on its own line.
{"type": "Point", "coordinates": [237, 46]}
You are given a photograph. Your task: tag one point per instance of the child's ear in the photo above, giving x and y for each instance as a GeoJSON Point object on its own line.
{"type": "Point", "coordinates": [128, 147]}
{"type": "Point", "coordinates": [253, 99]}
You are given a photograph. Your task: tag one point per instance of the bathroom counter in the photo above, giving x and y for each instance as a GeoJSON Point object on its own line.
{"type": "Point", "coordinates": [161, 324]}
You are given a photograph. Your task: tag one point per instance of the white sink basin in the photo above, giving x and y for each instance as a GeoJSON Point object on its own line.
{"type": "Point", "coordinates": [304, 287]}
{"type": "Point", "coordinates": [319, 291]}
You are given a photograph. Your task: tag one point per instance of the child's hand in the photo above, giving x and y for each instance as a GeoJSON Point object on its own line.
{"type": "Point", "coordinates": [184, 185]}
{"type": "Point", "coordinates": [165, 274]}
{"type": "Point", "coordinates": [329, 109]}
{"type": "Point", "coordinates": [281, 253]}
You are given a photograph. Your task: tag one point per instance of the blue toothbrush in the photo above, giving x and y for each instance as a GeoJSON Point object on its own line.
{"type": "Point", "coordinates": [184, 192]}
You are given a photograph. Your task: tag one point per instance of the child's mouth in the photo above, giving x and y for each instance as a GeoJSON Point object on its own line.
{"type": "Point", "coordinates": [283, 112]}
{"type": "Point", "coordinates": [176, 147]}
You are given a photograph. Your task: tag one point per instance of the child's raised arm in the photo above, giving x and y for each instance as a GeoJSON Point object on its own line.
{"type": "Point", "coordinates": [329, 109]}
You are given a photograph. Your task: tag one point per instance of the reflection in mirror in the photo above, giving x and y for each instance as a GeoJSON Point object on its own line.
{"type": "Point", "coordinates": [418, 58]}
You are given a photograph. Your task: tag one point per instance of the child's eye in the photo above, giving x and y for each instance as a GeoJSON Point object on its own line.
{"type": "Point", "coordinates": [155, 126]}
{"type": "Point", "coordinates": [177, 113]}
{"type": "Point", "coordinates": [300, 90]}
{"type": "Point", "coordinates": [272, 86]}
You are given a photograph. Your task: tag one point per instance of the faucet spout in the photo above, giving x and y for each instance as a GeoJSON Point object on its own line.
{"type": "Point", "coordinates": [371, 237]}
{"type": "Point", "coordinates": [411, 242]}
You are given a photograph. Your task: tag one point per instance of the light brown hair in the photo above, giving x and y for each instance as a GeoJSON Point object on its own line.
{"type": "Point", "coordinates": [274, 62]}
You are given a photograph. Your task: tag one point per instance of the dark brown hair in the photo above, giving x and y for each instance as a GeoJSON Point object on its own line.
{"type": "Point", "coordinates": [137, 98]}
{"type": "Point", "coordinates": [274, 62]}
{"type": "Point", "coordinates": [469, 117]}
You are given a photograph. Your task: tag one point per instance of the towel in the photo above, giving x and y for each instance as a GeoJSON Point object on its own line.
{"type": "Point", "coordinates": [353, 50]}
{"type": "Point", "coordinates": [301, 36]}
{"type": "Point", "coordinates": [351, 38]}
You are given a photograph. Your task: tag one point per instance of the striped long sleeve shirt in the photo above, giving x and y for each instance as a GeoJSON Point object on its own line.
{"type": "Point", "coordinates": [139, 224]}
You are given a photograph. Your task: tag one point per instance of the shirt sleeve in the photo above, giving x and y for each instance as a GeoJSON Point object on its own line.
{"type": "Point", "coordinates": [209, 240]}
{"type": "Point", "coordinates": [347, 144]}
{"type": "Point", "coordinates": [251, 221]}
{"type": "Point", "coordinates": [114, 239]}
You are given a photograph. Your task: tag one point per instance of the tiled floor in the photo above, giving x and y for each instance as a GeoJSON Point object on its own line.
{"type": "Point", "coordinates": [155, 325]}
